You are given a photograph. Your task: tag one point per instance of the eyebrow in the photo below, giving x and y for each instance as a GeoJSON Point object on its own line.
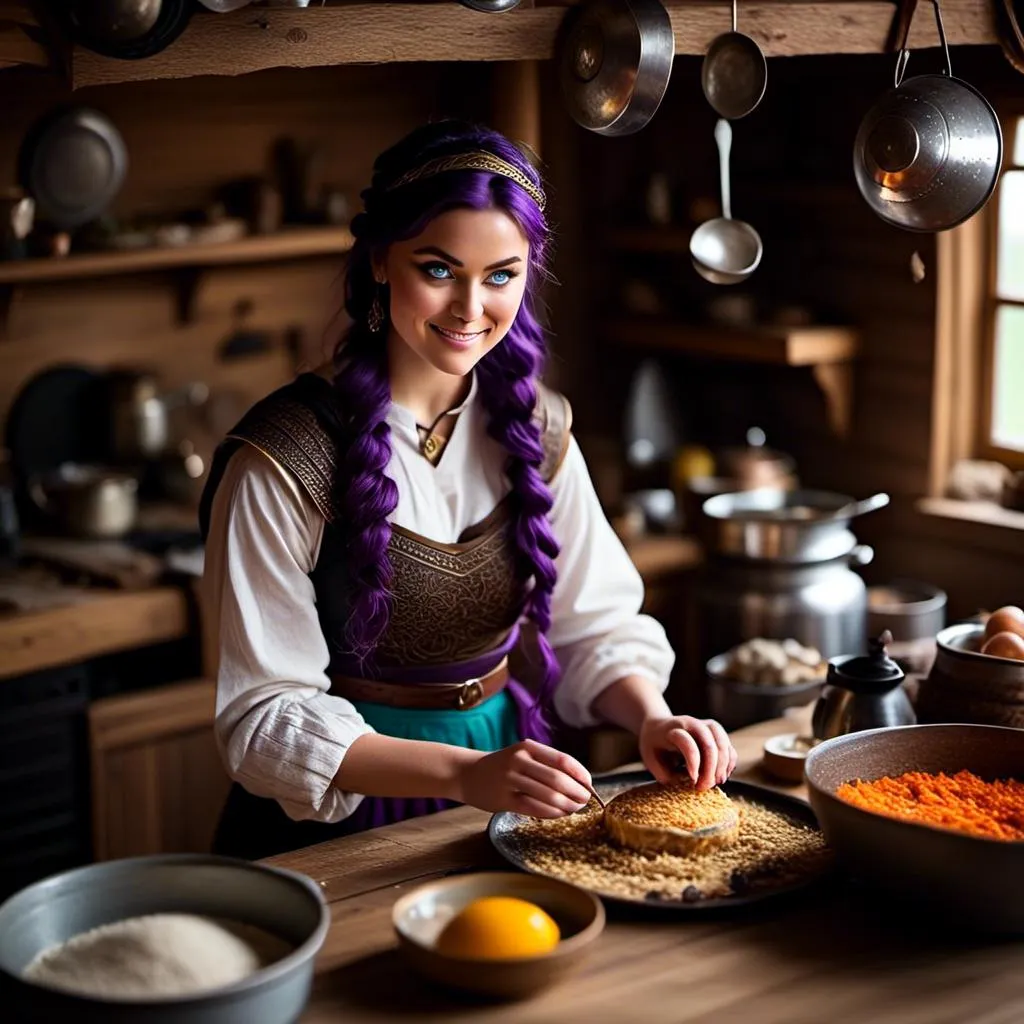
{"type": "Point", "coordinates": [433, 250]}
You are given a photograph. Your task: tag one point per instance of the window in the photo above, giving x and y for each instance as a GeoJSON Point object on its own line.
{"type": "Point", "coordinates": [1002, 405]}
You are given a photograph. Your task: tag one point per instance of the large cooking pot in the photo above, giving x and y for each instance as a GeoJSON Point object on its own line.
{"type": "Point", "coordinates": [784, 526]}
{"type": "Point", "coordinates": [615, 58]}
{"type": "Point", "coordinates": [927, 155]}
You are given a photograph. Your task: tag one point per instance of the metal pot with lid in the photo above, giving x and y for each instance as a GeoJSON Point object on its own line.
{"type": "Point", "coordinates": [785, 526]}
{"type": "Point", "coordinates": [927, 155]}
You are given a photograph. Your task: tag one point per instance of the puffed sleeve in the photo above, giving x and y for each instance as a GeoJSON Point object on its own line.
{"type": "Point", "coordinates": [280, 733]}
{"type": "Point", "coordinates": [597, 630]}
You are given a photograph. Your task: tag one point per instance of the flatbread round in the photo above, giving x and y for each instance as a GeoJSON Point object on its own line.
{"type": "Point", "coordinates": [672, 818]}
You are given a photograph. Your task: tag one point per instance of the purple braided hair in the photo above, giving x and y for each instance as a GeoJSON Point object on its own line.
{"type": "Point", "coordinates": [506, 376]}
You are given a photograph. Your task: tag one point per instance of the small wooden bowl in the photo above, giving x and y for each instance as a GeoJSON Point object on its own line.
{"type": "Point", "coordinates": [419, 916]}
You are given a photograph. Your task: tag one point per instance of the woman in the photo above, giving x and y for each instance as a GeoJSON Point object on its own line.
{"type": "Point", "coordinates": [377, 531]}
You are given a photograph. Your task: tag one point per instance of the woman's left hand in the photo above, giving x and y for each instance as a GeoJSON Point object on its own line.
{"type": "Point", "coordinates": [701, 743]}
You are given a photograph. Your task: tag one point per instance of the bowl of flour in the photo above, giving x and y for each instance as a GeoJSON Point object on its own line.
{"type": "Point", "coordinates": [161, 940]}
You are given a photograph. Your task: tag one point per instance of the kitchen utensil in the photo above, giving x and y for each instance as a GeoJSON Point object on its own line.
{"type": "Point", "coordinates": [862, 692]}
{"type": "Point", "coordinates": [283, 903]}
{"type": "Point", "coordinates": [734, 73]}
{"type": "Point", "coordinates": [756, 465]}
{"type": "Point", "coordinates": [780, 525]}
{"type": "Point", "coordinates": [736, 704]}
{"type": "Point", "coordinates": [504, 834]}
{"type": "Point", "coordinates": [89, 29]}
{"type": "Point", "coordinates": [927, 155]}
{"type": "Point", "coordinates": [224, 6]}
{"type": "Point", "coordinates": [87, 501]}
{"type": "Point", "coordinates": [116, 21]}
{"type": "Point", "coordinates": [58, 416]}
{"type": "Point", "coordinates": [615, 59]}
{"type": "Point", "coordinates": [965, 685]}
{"type": "Point", "coordinates": [725, 251]}
{"type": "Point", "coordinates": [909, 609]}
{"type": "Point", "coordinates": [140, 412]}
{"type": "Point", "coordinates": [970, 881]}
{"type": "Point", "coordinates": [419, 916]}
{"type": "Point", "coordinates": [856, 508]}
{"type": "Point", "coordinates": [73, 161]}
{"type": "Point", "coordinates": [490, 6]}
{"type": "Point", "coordinates": [597, 796]}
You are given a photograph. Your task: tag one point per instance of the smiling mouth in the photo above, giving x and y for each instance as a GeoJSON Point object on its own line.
{"type": "Point", "coordinates": [463, 337]}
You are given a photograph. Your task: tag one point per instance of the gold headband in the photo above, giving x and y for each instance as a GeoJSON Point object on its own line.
{"type": "Point", "coordinates": [477, 161]}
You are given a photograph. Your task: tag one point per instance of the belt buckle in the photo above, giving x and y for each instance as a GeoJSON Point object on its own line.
{"type": "Point", "coordinates": [470, 693]}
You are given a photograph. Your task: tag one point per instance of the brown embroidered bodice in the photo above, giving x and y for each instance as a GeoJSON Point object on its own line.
{"type": "Point", "coordinates": [450, 602]}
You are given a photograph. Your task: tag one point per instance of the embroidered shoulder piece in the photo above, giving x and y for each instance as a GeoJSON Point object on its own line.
{"type": "Point", "coordinates": [287, 431]}
{"type": "Point", "coordinates": [555, 416]}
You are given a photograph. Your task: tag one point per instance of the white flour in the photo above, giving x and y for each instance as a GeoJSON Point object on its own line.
{"type": "Point", "coordinates": [156, 955]}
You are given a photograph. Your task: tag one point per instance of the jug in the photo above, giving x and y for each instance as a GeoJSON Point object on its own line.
{"type": "Point", "coordinates": [862, 691]}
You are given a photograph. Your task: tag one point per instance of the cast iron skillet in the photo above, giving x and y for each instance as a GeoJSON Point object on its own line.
{"type": "Point", "coordinates": [72, 161]}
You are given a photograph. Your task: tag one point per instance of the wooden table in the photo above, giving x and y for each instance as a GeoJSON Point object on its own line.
{"type": "Point", "coordinates": [833, 955]}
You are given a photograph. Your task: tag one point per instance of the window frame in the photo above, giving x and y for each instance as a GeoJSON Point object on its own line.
{"type": "Point", "coordinates": [1011, 116]}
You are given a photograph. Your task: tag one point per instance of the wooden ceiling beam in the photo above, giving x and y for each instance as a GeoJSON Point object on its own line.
{"type": "Point", "coordinates": [252, 39]}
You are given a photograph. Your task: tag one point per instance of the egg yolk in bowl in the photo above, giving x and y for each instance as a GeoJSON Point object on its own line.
{"type": "Point", "coordinates": [499, 928]}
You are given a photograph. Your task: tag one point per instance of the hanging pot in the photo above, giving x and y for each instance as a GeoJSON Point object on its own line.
{"type": "Point", "coordinates": [128, 42]}
{"type": "Point", "coordinates": [927, 155]}
{"type": "Point", "coordinates": [490, 6]}
{"type": "Point", "coordinates": [72, 161]}
{"type": "Point", "coordinates": [615, 58]}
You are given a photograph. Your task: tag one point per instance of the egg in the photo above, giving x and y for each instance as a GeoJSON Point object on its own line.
{"type": "Point", "coordinates": [1008, 619]}
{"type": "Point", "coordinates": [1005, 645]}
{"type": "Point", "coordinates": [499, 928]}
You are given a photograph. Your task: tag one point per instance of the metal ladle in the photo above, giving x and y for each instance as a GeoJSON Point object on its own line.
{"type": "Point", "coordinates": [725, 251]}
{"type": "Point", "coordinates": [734, 73]}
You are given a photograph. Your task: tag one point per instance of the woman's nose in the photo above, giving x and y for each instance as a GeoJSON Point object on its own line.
{"type": "Point", "coordinates": [468, 306]}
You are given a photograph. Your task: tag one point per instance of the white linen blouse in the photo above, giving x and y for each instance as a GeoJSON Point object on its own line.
{"type": "Point", "coordinates": [281, 733]}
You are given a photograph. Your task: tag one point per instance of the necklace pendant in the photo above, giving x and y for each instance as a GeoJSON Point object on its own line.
{"type": "Point", "coordinates": [432, 447]}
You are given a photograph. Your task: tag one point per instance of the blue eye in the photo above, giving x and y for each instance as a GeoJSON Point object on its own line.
{"type": "Point", "coordinates": [436, 271]}
{"type": "Point", "coordinates": [501, 277]}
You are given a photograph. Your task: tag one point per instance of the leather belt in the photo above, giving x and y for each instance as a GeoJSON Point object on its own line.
{"type": "Point", "coordinates": [460, 696]}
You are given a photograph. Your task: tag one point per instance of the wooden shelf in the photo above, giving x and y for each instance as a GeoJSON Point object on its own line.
{"type": "Point", "coordinates": [285, 245]}
{"type": "Point", "coordinates": [94, 623]}
{"type": "Point", "coordinates": [786, 346]}
{"type": "Point", "coordinates": [366, 33]}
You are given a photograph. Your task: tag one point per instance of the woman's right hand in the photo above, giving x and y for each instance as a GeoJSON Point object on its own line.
{"type": "Point", "coordinates": [528, 778]}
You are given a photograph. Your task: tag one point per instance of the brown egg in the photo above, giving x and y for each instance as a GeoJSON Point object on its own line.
{"type": "Point", "coordinates": [1005, 645]}
{"type": "Point", "coordinates": [1008, 619]}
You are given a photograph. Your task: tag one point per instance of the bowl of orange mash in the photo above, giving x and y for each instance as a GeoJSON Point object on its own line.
{"type": "Point", "coordinates": [497, 934]}
{"type": "Point", "coordinates": [934, 813]}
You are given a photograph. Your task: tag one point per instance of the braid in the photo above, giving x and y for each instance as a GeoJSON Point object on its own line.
{"type": "Point", "coordinates": [367, 496]}
{"type": "Point", "coordinates": [507, 385]}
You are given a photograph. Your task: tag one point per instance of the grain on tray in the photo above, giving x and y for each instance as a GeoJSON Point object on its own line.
{"type": "Point", "coordinates": [770, 852]}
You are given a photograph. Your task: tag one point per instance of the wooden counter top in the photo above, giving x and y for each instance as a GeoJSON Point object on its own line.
{"type": "Point", "coordinates": [83, 623]}
{"type": "Point", "coordinates": [835, 954]}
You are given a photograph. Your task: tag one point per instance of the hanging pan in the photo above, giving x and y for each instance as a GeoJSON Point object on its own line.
{"type": "Point", "coordinates": [615, 58]}
{"type": "Point", "coordinates": [927, 155]}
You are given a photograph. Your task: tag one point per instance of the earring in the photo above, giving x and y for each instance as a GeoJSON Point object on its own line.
{"type": "Point", "coordinates": [375, 318]}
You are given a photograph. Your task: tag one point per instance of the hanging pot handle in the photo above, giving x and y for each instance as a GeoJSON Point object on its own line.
{"type": "Point", "coordinates": [904, 54]}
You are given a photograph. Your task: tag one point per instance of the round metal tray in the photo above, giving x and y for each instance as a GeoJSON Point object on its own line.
{"type": "Point", "coordinates": [503, 827]}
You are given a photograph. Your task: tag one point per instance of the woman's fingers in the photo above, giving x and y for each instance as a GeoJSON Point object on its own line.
{"type": "Point", "coordinates": [554, 780]}
{"type": "Point", "coordinates": [682, 741]}
{"type": "Point", "coordinates": [523, 804]}
{"type": "Point", "coordinates": [521, 782]}
{"type": "Point", "coordinates": [707, 753]}
{"type": "Point", "coordinates": [724, 765]}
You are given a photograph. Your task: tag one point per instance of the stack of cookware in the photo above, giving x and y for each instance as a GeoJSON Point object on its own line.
{"type": "Point", "coordinates": [781, 564]}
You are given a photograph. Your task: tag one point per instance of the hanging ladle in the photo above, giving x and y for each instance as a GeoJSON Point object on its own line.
{"type": "Point", "coordinates": [725, 251]}
{"type": "Point", "coordinates": [734, 73]}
